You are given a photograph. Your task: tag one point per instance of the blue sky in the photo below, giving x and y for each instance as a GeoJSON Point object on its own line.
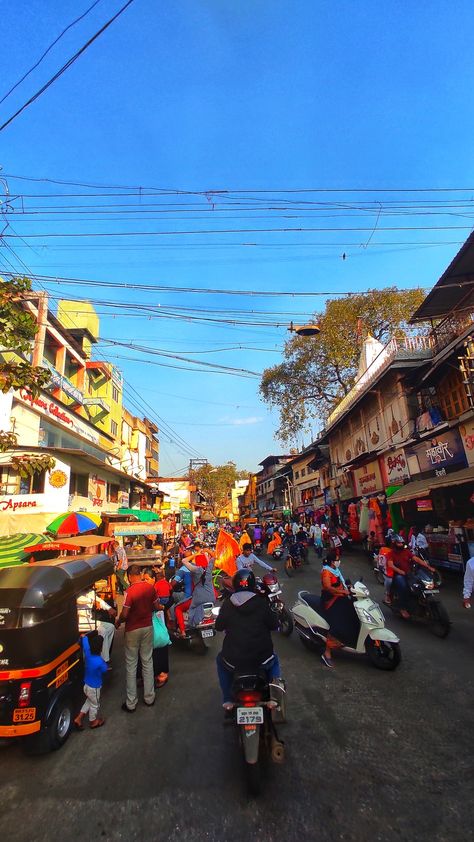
{"type": "Point", "coordinates": [208, 95]}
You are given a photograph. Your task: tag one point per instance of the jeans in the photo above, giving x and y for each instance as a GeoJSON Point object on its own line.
{"type": "Point", "coordinates": [226, 675]}
{"type": "Point", "coordinates": [139, 643]}
{"type": "Point", "coordinates": [387, 580]}
{"type": "Point", "coordinates": [319, 550]}
{"type": "Point", "coordinates": [400, 585]}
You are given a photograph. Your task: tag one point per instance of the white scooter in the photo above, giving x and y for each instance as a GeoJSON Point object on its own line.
{"type": "Point", "coordinates": [380, 644]}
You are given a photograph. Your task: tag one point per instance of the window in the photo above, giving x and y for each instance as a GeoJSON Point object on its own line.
{"type": "Point", "coordinates": [115, 394]}
{"type": "Point", "coordinates": [452, 395]}
{"type": "Point", "coordinates": [114, 428]}
{"type": "Point", "coordinates": [297, 474]}
{"type": "Point", "coordinates": [32, 485]}
{"type": "Point", "coordinates": [79, 484]}
{"type": "Point", "coordinates": [112, 492]}
{"type": "Point", "coordinates": [303, 472]}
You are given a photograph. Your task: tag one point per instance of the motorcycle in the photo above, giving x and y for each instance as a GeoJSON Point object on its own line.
{"type": "Point", "coordinates": [278, 552]}
{"type": "Point", "coordinates": [381, 645]}
{"type": "Point", "coordinates": [423, 602]}
{"type": "Point", "coordinates": [198, 638]}
{"type": "Point", "coordinates": [268, 587]}
{"type": "Point", "coordinates": [258, 707]}
{"type": "Point", "coordinates": [257, 547]}
{"type": "Point", "coordinates": [294, 559]}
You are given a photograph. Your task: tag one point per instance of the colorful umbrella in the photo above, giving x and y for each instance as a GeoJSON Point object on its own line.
{"type": "Point", "coordinates": [13, 548]}
{"type": "Point", "coordinates": [74, 523]}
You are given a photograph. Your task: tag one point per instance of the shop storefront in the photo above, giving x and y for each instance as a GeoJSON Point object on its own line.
{"type": "Point", "coordinates": [439, 499]}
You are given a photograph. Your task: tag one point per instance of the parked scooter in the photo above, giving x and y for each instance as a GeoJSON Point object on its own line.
{"type": "Point", "coordinates": [258, 707]}
{"type": "Point", "coordinates": [423, 602]}
{"type": "Point", "coordinates": [381, 645]}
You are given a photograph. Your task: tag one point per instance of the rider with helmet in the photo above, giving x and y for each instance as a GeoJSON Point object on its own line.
{"type": "Point", "coordinates": [248, 622]}
{"type": "Point", "coordinates": [399, 564]}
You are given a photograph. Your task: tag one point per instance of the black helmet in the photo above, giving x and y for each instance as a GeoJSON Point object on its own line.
{"type": "Point", "coordinates": [244, 580]}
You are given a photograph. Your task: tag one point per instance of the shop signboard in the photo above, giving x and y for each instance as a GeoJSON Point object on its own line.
{"type": "Point", "coordinates": [441, 454]}
{"type": "Point", "coordinates": [152, 528]}
{"type": "Point", "coordinates": [368, 480]}
{"type": "Point", "coordinates": [53, 411]}
{"type": "Point", "coordinates": [97, 490]}
{"type": "Point", "coordinates": [395, 467]}
{"type": "Point", "coordinates": [424, 505]}
{"type": "Point", "coordinates": [186, 517]}
{"type": "Point", "coordinates": [466, 432]}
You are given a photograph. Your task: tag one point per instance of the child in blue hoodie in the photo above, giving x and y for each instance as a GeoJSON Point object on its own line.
{"type": "Point", "coordinates": [95, 667]}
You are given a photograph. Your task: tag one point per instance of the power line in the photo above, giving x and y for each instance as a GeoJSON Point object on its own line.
{"type": "Point", "coordinates": [48, 50]}
{"type": "Point", "coordinates": [65, 66]}
{"type": "Point", "coordinates": [202, 231]}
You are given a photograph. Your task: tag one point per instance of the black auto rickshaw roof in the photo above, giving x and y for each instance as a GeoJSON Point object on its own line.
{"type": "Point", "coordinates": [54, 580]}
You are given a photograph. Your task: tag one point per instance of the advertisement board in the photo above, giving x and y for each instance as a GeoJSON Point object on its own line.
{"type": "Point", "coordinates": [186, 517]}
{"type": "Point", "coordinates": [153, 528]}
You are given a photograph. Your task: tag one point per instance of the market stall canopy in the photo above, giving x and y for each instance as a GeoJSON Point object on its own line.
{"type": "Point", "coordinates": [14, 548]}
{"type": "Point", "coordinates": [70, 543]}
{"type": "Point", "coordinates": [144, 515]}
{"type": "Point", "coordinates": [422, 487]}
{"type": "Point", "coordinates": [73, 523]}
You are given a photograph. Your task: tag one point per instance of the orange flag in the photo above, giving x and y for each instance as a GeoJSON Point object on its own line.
{"type": "Point", "coordinates": [227, 550]}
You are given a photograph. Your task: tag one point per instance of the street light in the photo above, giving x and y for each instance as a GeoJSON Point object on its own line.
{"type": "Point", "coordinates": [311, 329]}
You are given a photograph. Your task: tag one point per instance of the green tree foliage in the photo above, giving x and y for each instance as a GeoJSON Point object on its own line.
{"type": "Point", "coordinates": [215, 484]}
{"type": "Point", "coordinates": [317, 372]}
{"type": "Point", "coordinates": [18, 329]}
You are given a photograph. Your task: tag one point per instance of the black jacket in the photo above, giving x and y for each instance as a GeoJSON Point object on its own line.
{"type": "Point", "coordinates": [248, 640]}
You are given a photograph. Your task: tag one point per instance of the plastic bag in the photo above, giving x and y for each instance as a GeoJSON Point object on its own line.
{"type": "Point", "coordinates": [160, 633]}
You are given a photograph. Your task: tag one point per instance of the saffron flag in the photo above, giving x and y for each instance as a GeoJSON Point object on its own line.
{"type": "Point", "coordinates": [227, 550]}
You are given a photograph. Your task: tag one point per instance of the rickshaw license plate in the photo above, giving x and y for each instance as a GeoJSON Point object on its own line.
{"type": "Point", "coordinates": [209, 633]}
{"type": "Point", "coordinates": [24, 715]}
{"type": "Point", "coordinates": [249, 716]}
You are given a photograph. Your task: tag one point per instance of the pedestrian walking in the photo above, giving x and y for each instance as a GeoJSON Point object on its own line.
{"type": "Point", "coordinates": [120, 561]}
{"type": "Point", "coordinates": [95, 667]}
{"type": "Point", "coordinates": [140, 602]}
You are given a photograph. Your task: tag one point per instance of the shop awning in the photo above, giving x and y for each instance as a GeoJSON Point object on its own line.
{"type": "Point", "coordinates": [78, 542]}
{"type": "Point", "coordinates": [422, 487]}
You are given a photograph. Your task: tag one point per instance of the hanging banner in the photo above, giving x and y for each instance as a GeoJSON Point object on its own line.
{"type": "Point", "coordinates": [466, 432]}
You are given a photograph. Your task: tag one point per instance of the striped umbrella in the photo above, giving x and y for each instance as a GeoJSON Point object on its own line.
{"type": "Point", "coordinates": [12, 548]}
{"type": "Point", "coordinates": [74, 523]}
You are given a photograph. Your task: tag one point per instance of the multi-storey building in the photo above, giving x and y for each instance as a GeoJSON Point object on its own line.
{"type": "Point", "coordinates": [76, 420]}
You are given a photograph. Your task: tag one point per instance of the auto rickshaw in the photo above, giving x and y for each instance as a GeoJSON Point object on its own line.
{"type": "Point", "coordinates": [41, 664]}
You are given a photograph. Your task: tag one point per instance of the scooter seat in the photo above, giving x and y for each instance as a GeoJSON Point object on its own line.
{"type": "Point", "coordinates": [311, 599]}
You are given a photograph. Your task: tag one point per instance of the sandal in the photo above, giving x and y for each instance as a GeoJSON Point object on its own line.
{"type": "Point", "coordinates": [160, 682]}
{"type": "Point", "coordinates": [97, 723]}
{"type": "Point", "coordinates": [78, 725]}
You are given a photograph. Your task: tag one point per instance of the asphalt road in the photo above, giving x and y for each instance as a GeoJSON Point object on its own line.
{"type": "Point", "coordinates": [370, 755]}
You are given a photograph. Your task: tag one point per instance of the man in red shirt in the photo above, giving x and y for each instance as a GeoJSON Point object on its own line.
{"type": "Point", "coordinates": [140, 602]}
{"type": "Point", "coordinates": [399, 562]}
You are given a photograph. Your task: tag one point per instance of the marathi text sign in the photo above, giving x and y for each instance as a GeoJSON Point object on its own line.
{"type": "Point", "coordinates": [396, 468]}
{"type": "Point", "coordinates": [438, 455]}
{"type": "Point", "coordinates": [368, 480]}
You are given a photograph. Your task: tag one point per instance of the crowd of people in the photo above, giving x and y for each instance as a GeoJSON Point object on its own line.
{"type": "Point", "coordinates": [161, 595]}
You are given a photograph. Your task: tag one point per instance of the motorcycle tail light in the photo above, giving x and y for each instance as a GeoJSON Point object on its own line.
{"type": "Point", "coordinates": [248, 698]}
{"type": "Point", "coordinates": [25, 694]}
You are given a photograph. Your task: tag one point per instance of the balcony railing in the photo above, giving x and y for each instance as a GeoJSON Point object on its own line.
{"type": "Point", "coordinates": [450, 328]}
{"type": "Point", "coordinates": [409, 348]}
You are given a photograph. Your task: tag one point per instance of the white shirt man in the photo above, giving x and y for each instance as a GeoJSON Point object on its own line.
{"type": "Point", "coordinates": [86, 604]}
{"type": "Point", "coordinates": [418, 542]}
{"type": "Point", "coordinates": [468, 588]}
